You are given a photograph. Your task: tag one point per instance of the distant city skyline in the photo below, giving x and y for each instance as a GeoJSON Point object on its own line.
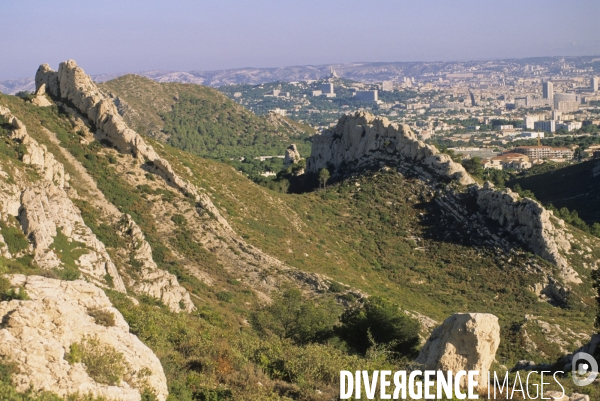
{"type": "Point", "coordinates": [126, 36]}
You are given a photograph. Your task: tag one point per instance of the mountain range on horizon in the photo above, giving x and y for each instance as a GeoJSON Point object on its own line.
{"type": "Point", "coordinates": [360, 71]}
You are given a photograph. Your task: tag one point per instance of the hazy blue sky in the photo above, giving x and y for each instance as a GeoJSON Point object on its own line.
{"type": "Point", "coordinates": [111, 36]}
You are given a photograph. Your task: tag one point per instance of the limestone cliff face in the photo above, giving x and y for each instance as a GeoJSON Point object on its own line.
{"type": "Point", "coordinates": [71, 84]}
{"type": "Point", "coordinates": [292, 155]}
{"type": "Point", "coordinates": [71, 87]}
{"type": "Point", "coordinates": [151, 280]}
{"type": "Point", "coordinates": [45, 209]}
{"type": "Point", "coordinates": [361, 139]}
{"type": "Point", "coordinates": [38, 333]}
{"type": "Point", "coordinates": [37, 155]}
{"type": "Point", "coordinates": [531, 224]}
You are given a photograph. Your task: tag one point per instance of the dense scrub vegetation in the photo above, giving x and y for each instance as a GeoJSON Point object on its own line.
{"type": "Point", "coordinates": [203, 121]}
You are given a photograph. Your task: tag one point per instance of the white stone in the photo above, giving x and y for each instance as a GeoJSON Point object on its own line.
{"type": "Point", "coordinates": [465, 341]}
{"type": "Point", "coordinates": [36, 334]}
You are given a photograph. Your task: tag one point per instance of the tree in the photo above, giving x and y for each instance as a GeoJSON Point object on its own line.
{"type": "Point", "coordinates": [323, 177]}
{"type": "Point", "coordinates": [301, 320]}
{"type": "Point", "coordinates": [474, 167]}
{"type": "Point", "coordinates": [382, 321]}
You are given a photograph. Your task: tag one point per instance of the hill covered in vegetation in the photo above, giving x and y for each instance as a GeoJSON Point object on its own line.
{"type": "Point", "coordinates": [202, 120]}
{"type": "Point", "coordinates": [575, 187]}
{"type": "Point", "coordinates": [243, 293]}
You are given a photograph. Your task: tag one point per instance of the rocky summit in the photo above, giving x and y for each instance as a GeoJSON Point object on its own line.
{"type": "Point", "coordinates": [134, 268]}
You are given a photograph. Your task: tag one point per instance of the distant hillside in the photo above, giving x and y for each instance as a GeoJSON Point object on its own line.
{"type": "Point", "coordinates": [202, 120]}
{"type": "Point", "coordinates": [574, 187]}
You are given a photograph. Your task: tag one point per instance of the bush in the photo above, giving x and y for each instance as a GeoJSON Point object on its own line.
{"type": "Point", "coordinates": [102, 317]}
{"type": "Point", "coordinates": [336, 287]}
{"type": "Point", "coordinates": [102, 362]}
{"type": "Point", "coordinates": [14, 238]}
{"type": "Point", "coordinates": [382, 322]}
{"type": "Point", "coordinates": [224, 296]}
{"type": "Point", "coordinates": [301, 320]}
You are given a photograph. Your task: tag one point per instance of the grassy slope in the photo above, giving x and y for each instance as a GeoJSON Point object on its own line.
{"type": "Point", "coordinates": [373, 239]}
{"type": "Point", "coordinates": [367, 239]}
{"type": "Point", "coordinates": [573, 187]}
{"type": "Point", "coordinates": [202, 120]}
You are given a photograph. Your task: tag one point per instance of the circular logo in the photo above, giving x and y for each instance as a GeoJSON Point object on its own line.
{"type": "Point", "coordinates": [584, 369]}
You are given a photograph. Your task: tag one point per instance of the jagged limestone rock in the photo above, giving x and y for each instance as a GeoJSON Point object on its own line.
{"type": "Point", "coordinates": [530, 223]}
{"type": "Point", "coordinates": [37, 334]}
{"type": "Point", "coordinates": [39, 99]}
{"type": "Point", "coordinates": [37, 155]}
{"type": "Point", "coordinates": [292, 156]}
{"type": "Point", "coordinates": [363, 138]}
{"type": "Point", "coordinates": [71, 84]}
{"type": "Point", "coordinates": [45, 208]}
{"type": "Point", "coordinates": [465, 341]}
{"type": "Point", "coordinates": [151, 280]}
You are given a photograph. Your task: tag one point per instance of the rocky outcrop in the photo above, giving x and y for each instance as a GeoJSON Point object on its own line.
{"type": "Point", "coordinates": [292, 156]}
{"type": "Point", "coordinates": [559, 396]}
{"type": "Point", "coordinates": [530, 223]}
{"type": "Point", "coordinates": [362, 139]}
{"type": "Point", "coordinates": [149, 279]}
{"type": "Point", "coordinates": [71, 84]}
{"type": "Point", "coordinates": [39, 99]}
{"type": "Point", "coordinates": [36, 155]}
{"type": "Point", "coordinates": [465, 341]}
{"type": "Point", "coordinates": [37, 334]}
{"type": "Point", "coordinates": [45, 209]}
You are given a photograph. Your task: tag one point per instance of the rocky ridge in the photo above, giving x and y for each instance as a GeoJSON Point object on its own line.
{"type": "Point", "coordinates": [362, 140]}
{"type": "Point", "coordinates": [38, 333]}
{"type": "Point", "coordinates": [71, 88]}
{"type": "Point", "coordinates": [71, 84]}
{"type": "Point", "coordinates": [44, 209]}
{"type": "Point", "coordinates": [531, 223]}
{"type": "Point", "coordinates": [150, 279]}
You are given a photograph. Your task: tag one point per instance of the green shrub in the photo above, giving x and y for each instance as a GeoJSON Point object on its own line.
{"type": "Point", "coordinates": [68, 252]}
{"type": "Point", "coordinates": [67, 273]}
{"type": "Point", "coordinates": [14, 238]}
{"type": "Point", "coordinates": [102, 317]}
{"type": "Point", "coordinates": [224, 296]}
{"type": "Point", "coordinates": [178, 219]}
{"type": "Point", "coordinates": [334, 286]}
{"type": "Point", "coordinates": [382, 322]}
{"type": "Point", "coordinates": [102, 362]}
{"type": "Point", "coordinates": [7, 293]}
{"type": "Point", "coordinates": [301, 320]}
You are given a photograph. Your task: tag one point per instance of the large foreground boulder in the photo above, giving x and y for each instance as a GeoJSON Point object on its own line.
{"type": "Point", "coordinates": [41, 334]}
{"type": "Point", "coordinates": [465, 341]}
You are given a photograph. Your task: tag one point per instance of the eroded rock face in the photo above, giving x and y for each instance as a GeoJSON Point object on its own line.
{"type": "Point", "coordinates": [292, 156]}
{"type": "Point", "coordinates": [151, 280]}
{"type": "Point", "coordinates": [465, 341]}
{"type": "Point", "coordinates": [45, 209]}
{"type": "Point", "coordinates": [36, 334]}
{"type": "Point", "coordinates": [362, 138]}
{"type": "Point", "coordinates": [37, 155]}
{"type": "Point", "coordinates": [39, 99]}
{"type": "Point", "coordinates": [531, 223]}
{"type": "Point", "coordinates": [70, 83]}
